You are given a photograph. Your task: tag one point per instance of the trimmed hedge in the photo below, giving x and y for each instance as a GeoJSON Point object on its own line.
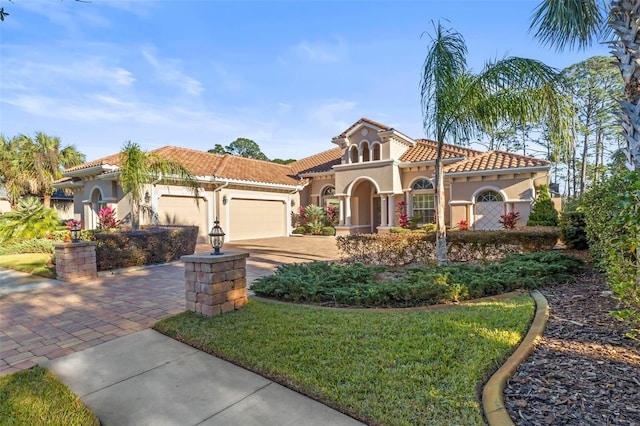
{"type": "Point", "coordinates": [462, 246]}
{"type": "Point", "coordinates": [144, 247]}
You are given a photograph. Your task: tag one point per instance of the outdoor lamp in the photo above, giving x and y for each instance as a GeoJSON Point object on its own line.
{"type": "Point", "coordinates": [75, 233]}
{"type": "Point", "coordinates": [216, 237]}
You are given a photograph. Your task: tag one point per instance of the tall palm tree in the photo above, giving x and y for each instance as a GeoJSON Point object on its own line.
{"type": "Point", "coordinates": [576, 24]}
{"type": "Point", "coordinates": [139, 168]}
{"type": "Point", "coordinates": [457, 104]}
{"type": "Point", "coordinates": [43, 159]}
{"type": "Point", "coordinates": [14, 178]}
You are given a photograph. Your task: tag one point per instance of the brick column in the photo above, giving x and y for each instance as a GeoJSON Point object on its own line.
{"type": "Point", "coordinates": [76, 261]}
{"type": "Point", "coordinates": [215, 284]}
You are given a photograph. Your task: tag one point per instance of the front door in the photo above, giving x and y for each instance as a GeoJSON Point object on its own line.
{"type": "Point", "coordinates": [377, 215]}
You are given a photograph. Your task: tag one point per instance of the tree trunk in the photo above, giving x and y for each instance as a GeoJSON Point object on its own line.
{"type": "Point", "coordinates": [625, 20]}
{"type": "Point", "coordinates": [441, 230]}
{"type": "Point", "coordinates": [583, 169]}
{"type": "Point", "coordinates": [46, 199]}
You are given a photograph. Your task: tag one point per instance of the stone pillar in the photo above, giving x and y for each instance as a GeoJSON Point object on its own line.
{"type": "Point", "coordinates": [341, 212]}
{"type": "Point", "coordinates": [347, 211]}
{"type": "Point", "coordinates": [76, 261]}
{"type": "Point", "coordinates": [391, 219]}
{"type": "Point", "coordinates": [215, 284]}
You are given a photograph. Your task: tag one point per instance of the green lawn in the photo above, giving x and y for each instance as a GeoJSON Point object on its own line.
{"type": "Point", "coordinates": [31, 263]}
{"type": "Point", "coordinates": [37, 397]}
{"type": "Point", "coordinates": [380, 367]}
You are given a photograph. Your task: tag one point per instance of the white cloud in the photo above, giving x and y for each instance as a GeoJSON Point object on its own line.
{"type": "Point", "coordinates": [332, 115]}
{"type": "Point", "coordinates": [322, 52]}
{"type": "Point", "coordinates": [169, 72]}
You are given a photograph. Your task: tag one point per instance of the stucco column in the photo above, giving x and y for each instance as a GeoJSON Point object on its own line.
{"type": "Point", "coordinates": [341, 212]}
{"type": "Point", "coordinates": [392, 210]}
{"type": "Point", "coordinates": [347, 211]}
{"type": "Point", "coordinates": [383, 207]}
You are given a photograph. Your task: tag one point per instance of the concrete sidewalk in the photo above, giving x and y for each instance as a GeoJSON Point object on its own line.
{"type": "Point", "coordinates": [147, 378]}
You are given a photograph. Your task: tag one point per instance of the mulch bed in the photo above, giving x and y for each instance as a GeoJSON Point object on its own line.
{"type": "Point", "coordinates": [584, 371]}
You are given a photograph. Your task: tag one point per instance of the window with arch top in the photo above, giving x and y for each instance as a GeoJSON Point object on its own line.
{"type": "Point", "coordinates": [353, 154]}
{"type": "Point", "coordinates": [489, 196]}
{"type": "Point", "coordinates": [328, 197]}
{"type": "Point", "coordinates": [423, 201]}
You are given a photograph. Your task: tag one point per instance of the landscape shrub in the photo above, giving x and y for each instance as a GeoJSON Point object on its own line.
{"type": "Point", "coordinates": [31, 219]}
{"type": "Point", "coordinates": [328, 231]}
{"type": "Point", "coordinates": [397, 249]}
{"type": "Point", "coordinates": [365, 286]}
{"type": "Point", "coordinates": [34, 245]}
{"type": "Point", "coordinates": [145, 246]}
{"type": "Point", "coordinates": [573, 230]}
{"type": "Point", "coordinates": [509, 220]}
{"type": "Point", "coordinates": [543, 213]}
{"type": "Point", "coordinates": [299, 230]}
{"type": "Point", "coordinates": [613, 231]}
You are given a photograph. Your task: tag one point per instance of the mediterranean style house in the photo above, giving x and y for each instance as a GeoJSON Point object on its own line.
{"type": "Point", "coordinates": [371, 170]}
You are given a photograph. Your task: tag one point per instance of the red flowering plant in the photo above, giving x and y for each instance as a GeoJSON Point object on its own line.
{"type": "Point", "coordinates": [73, 223]}
{"type": "Point", "coordinates": [107, 218]}
{"type": "Point", "coordinates": [463, 225]}
{"type": "Point", "coordinates": [508, 220]}
{"type": "Point", "coordinates": [401, 209]}
{"type": "Point", "coordinates": [333, 213]}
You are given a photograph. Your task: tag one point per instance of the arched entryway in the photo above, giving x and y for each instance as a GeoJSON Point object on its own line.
{"type": "Point", "coordinates": [364, 209]}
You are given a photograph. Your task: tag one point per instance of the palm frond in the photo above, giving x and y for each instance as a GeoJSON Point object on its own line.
{"type": "Point", "coordinates": [570, 23]}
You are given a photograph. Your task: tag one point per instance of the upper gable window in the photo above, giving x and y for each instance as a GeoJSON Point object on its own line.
{"type": "Point", "coordinates": [353, 154]}
{"type": "Point", "coordinates": [422, 184]}
{"type": "Point", "coordinates": [376, 151]}
{"type": "Point", "coordinates": [489, 196]}
{"type": "Point", "coordinates": [365, 151]}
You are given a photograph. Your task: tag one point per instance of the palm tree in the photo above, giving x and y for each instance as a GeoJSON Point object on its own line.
{"type": "Point", "coordinates": [457, 104]}
{"type": "Point", "coordinates": [139, 168]}
{"type": "Point", "coordinates": [576, 24]}
{"type": "Point", "coordinates": [42, 162]}
{"type": "Point", "coordinates": [14, 177]}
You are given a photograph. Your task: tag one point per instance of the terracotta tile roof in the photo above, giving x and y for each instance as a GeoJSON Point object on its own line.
{"type": "Point", "coordinates": [494, 160]}
{"type": "Point", "coordinates": [199, 163]}
{"type": "Point", "coordinates": [112, 160]}
{"type": "Point", "coordinates": [425, 150]}
{"type": "Point", "coordinates": [362, 120]}
{"type": "Point", "coordinates": [247, 169]}
{"type": "Point", "coordinates": [322, 162]}
{"type": "Point", "coordinates": [207, 164]}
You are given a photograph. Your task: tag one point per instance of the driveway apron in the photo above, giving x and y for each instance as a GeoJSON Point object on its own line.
{"type": "Point", "coordinates": [52, 321]}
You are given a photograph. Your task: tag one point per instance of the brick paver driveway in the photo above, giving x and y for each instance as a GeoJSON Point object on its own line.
{"type": "Point", "coordinates": [51, 322]}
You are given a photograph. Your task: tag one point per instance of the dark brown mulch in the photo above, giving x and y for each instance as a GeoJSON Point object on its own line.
{"type": "Point", "coordinates": [584, 371]}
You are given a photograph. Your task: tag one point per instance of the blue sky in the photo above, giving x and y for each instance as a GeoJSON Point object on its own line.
{"type": "Point", "coordinates": [288, 74]}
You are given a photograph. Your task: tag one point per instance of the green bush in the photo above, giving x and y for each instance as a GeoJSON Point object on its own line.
{"type": "Point", "coordinates": [364, 286]}
{"type": "Point", "coordinates": [299, 230]}
{"type": "Point", "coordinates": [35, 245]}
{"type": "Point", "coordinates": [544, 212]}
{"type": "Point", "coordinates": [144, 247]}
{"type": "Point", "coordinates": [573, 230]}
{"type": "Point", "coordinates": [613, 231]}
{"type": "Point", "coordinates": [31, 219]}
{"type": "Point", "coordinates": [328, 231]}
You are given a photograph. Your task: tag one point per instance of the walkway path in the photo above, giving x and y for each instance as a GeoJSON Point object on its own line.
{"type": "Point", "coordinates": [57, 320]}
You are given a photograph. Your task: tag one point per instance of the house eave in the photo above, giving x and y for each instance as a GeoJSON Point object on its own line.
{"type": "Point", "coordinates": [89, 171]}
{"type": "Point", "coordinates": [364, 165]}
{"type": "Point", "coordinates": [409, 164]}
{"type": "Point", "coordinates": [499, 171]}
{"type": "Point", "coordinates": [284, 186]}
{"type": "Point", "coordinates": [312, 174]}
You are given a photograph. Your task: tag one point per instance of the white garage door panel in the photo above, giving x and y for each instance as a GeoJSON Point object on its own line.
{"type": "Point", "coordinates": [183, 211]}
{"type": "Point", "coordinates": [256, 219]}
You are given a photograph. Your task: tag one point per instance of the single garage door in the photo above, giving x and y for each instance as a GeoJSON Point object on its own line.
{"type": "Point", "coordinates": [183, 211]}
{"type": "Point", "coordinates": [251, 219]}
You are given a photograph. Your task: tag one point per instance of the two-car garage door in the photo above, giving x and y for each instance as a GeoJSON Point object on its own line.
{"type": "Point", "coordinates": [255, 218]}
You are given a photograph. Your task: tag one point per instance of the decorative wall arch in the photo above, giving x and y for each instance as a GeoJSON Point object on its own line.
{"type": "Point", "coordinates": [353, 183]}
{"type": "Point", "coordinates": [377, 151]}
{"type": "Point", "coordinates": [365, 151]}
{"type": "Point", "coordinates": [354, 154]}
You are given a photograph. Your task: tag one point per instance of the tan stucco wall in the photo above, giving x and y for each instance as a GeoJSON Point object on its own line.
{"type": "Point", "coordinates": [382, 174]}
{"type": "Point", "coordinates": [513, 189]}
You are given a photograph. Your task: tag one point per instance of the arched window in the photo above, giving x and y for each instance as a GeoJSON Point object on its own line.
{"type": "Point", "coordinates": [328, 197]}
{"type": "Point", "coordinates": [353, 154]}
{"type": "Point", "coordinates": [376, 151]}
{"type": "Point", "coordinates": [423, 201]}
{"type": "Point", "coordinates": [488, 196]}
{"type": "Point", "coordinates": [365, 151]}
{"type": "Point", "coordinates": [422, 184]}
